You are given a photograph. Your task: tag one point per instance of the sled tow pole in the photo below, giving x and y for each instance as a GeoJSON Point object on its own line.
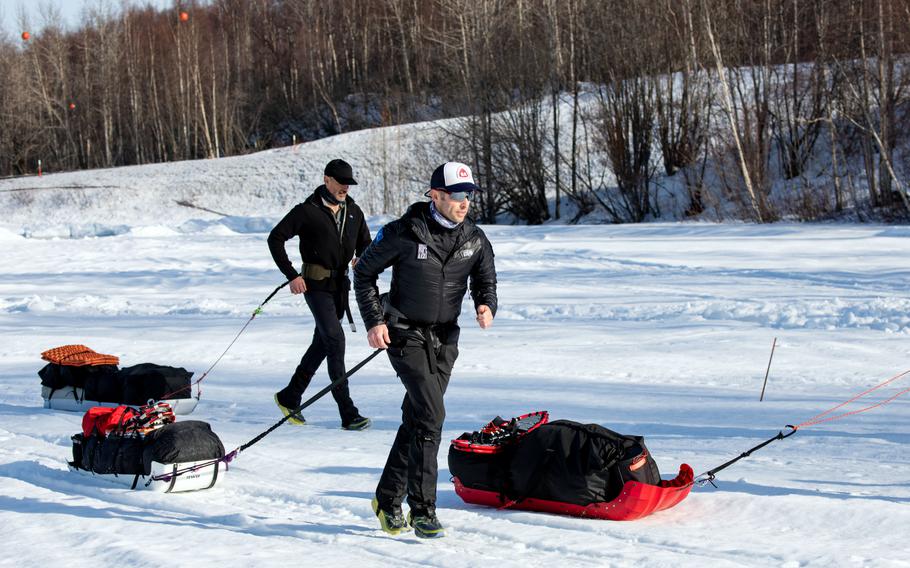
{"type": "Point", "coordinates": [708, 476]}
{"type": "Point", "coordinates": [229, 457]}
{"type": "Point", "coordinates": [826, 416]}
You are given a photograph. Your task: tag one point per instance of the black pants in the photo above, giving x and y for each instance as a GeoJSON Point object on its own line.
{"type": "Point", "coordinates": [412, 468]}
{"type": "Point", "coordinates": [328, 343]}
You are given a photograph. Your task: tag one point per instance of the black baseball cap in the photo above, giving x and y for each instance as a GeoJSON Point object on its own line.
{"type": "Point", "coordinates": [341, 171]}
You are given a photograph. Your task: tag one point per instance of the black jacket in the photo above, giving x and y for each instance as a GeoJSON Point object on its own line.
{"type": "Point", "coordinates": [320, 242]}
{"type": "Point", "coordinates": [428, 284]}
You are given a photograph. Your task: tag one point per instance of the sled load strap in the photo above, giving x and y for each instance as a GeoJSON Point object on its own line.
{"type": "Point", "coordinates": [229, 457]}
{"type": "Point", "coordinates": [709, 476]}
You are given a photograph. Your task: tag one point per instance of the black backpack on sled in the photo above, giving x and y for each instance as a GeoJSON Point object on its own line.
{"type": "Point", "coordinates": [561, 461]}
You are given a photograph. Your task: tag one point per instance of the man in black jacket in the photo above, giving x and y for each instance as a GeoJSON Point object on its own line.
{"type": "Point", "coordinates": [332, 230]}
{"type": "Point", "coordinates": [434, 249]}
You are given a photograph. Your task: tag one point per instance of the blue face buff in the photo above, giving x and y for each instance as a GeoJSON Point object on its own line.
{"type": "Point", "coordinates": [441, 219]}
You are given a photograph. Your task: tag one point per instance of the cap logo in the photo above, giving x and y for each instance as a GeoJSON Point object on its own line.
{"type": "Point", "coordinates": [463, 173]}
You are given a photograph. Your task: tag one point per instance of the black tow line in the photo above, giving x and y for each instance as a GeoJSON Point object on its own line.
{"type": "Point", "coordinates": [229, 457]}
{"type": "Point", "coordinates": [196, 383]}
{"type": "Point", "coordinates": [296, 412]}
{"type": "Point", "coordinates": [708, 477]}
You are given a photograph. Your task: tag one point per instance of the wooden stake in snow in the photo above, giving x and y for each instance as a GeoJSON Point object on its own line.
{"type": "Point", "coordinates": [768, 370]}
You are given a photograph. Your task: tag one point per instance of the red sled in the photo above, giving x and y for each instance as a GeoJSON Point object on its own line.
{"type": "Point", "coordinates": [636, 500]}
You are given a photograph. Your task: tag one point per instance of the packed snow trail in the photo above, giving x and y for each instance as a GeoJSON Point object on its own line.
{"type": "Point", "coordinates": [657, 330]}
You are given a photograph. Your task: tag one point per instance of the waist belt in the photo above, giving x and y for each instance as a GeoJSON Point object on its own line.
{"type": "Point", "coordinates": [319, 272]}
{"type": "Point", "coordinates": [428, 331]}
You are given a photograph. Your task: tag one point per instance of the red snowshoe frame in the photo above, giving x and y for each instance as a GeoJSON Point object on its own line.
{"type": "Point", "coordinates": [636, 500]}
{"type": "Point", "coordinates": [499, 433]}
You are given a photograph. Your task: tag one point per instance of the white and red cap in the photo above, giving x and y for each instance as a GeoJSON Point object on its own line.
{"type": "Point", "coordinates": [453, 177]}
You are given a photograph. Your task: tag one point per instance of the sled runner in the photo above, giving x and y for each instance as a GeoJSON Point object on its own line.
{"type": "Point", "coordinates": [566, 468]}
{"type": "Point", "coordinates": [161, 478]}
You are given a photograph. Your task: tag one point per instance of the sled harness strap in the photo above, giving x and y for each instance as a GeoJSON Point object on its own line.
{"type": "Point", "coordinates": [229, 457]}
{"type": "Point", "coordinates": [708, 476]}
{"type": "Point", "coordinates": [819, 418]}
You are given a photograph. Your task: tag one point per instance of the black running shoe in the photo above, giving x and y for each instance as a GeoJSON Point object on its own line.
{"type": "Point", "coordinates": [297, 420]}
{"type": "Point", "coordinates": [391, 520]}
{"type": "Point", "coordinates": [426, 525]}
{"type": "Point", "coordinates": [358, 423]}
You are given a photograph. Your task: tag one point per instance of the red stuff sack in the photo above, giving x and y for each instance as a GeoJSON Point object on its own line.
{"type": "Point", "coordinates": [104, 420]}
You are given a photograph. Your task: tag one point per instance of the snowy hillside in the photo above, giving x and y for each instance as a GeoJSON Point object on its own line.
{"type": "Point", "coordinates": [264, 184]}
{"type": "Point", "coordinates": [392, 165]}
{"type": "Point", "coordinates": [658, 330]}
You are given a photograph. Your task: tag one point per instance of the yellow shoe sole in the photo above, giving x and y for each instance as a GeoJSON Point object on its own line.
{"type": "Point", "coordinates": [287, 412]}
{"type": "Point", "coordinates": [358, 426]}
{"type": "Point", "coordinates": [384, 522]}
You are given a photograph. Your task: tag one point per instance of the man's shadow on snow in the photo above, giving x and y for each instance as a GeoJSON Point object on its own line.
{"type": "Point", "coordinates": [120, 503]}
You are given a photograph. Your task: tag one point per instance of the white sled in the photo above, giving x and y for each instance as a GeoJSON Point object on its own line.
{"type": "Point", "coordinates": [203, 478]}
{"type": "Point", "coordinates": [70, 399]}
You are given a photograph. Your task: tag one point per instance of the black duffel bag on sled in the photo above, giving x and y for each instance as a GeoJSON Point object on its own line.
{"type": "Point", "coordinates": [153, 457]}
{"type": "Point", "coordinates": [148, 381]}
{"type": "Point", "coordinates": [564, 467]}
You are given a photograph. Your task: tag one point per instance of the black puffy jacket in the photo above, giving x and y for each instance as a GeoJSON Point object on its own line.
{"type": "Point", "coordinates": [313, 223]}
{"type": "Point", "coordinates": [428, 284]}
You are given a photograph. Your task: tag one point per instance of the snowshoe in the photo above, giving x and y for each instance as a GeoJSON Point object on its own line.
{"type": "Point", "coordinates": [499, 433]}
{"type": "Point", "coordinates": [150, 418]}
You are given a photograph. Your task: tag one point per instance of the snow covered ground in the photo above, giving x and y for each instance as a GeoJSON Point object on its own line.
{"type": "Point", "coordinates": [659, 330]}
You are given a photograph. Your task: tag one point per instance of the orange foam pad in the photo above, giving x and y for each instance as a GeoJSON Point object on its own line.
{"type": "Point", "coordinates": [78, 356]}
